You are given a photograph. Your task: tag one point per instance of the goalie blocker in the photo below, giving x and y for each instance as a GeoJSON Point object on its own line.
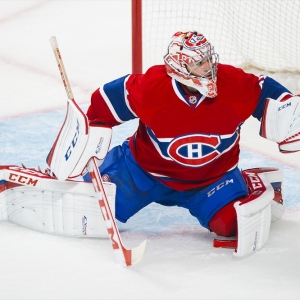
{"type": "Point", "coordinates": [77, 142]}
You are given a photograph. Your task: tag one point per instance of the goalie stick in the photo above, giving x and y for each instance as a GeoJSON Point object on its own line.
{"type": "Point", "coordinates": [126, 257]}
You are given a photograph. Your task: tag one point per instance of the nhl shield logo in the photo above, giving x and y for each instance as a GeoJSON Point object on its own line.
{"type": "Point", "coordinates": [194, 150]}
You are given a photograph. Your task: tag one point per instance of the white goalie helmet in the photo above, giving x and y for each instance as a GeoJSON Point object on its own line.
{"type": "Point", "coordinates": [192, 61]}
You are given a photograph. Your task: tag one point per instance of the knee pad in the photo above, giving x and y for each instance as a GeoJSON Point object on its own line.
{"type": "Point", "coordinates": [224, 222]}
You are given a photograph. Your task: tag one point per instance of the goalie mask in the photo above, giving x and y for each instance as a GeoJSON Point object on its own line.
{"type": "Point", "coordinates": [192, 61]}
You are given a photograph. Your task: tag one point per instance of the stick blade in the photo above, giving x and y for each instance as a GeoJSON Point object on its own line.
{"type": "Point", "coordinates": [137, 253]}
{"type": "Point", "coordinates": [130, 257]}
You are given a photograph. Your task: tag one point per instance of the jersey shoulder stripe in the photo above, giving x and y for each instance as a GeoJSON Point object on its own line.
{"type": "Point", "coordinates": [115, 96]}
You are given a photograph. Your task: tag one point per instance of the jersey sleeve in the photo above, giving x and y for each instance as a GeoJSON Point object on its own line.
{"type": "Point", "coordinates": [110, 103]}
{"type": "Point", "coordinates": [270, 88]}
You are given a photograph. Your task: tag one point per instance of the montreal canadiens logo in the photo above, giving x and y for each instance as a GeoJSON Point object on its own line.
{"type": "Point", "coordinates": [194, 150]}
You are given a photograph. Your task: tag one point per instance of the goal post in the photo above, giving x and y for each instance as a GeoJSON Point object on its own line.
{"type": "Point", "coordinates": [260, 34]}
{"type": "Point", "coordinates": [136, 40]}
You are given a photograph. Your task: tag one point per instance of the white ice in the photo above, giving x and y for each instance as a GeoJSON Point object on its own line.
{"type": "Point", "coordinates": [180, 261]}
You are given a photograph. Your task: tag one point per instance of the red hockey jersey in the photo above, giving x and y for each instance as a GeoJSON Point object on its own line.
{"type": "Point", "coordinates": [185, 140]}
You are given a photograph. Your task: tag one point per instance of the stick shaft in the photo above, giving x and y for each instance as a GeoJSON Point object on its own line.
{"type": "Point", "coordinates": [61, 67]}
{"type": "Point", "coordinates": [125, 257]}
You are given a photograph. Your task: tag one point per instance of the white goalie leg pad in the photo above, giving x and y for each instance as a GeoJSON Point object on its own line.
{"type": "Point", "coordinates": [55, 212]}
{"type": "Point", "coordinates": [3, 201]}
{"type": "Point", "coordinates": [76, 143]}
{"type": "Point", "coordinates": [281, 123]}
{"type": "Point", "coordinates": [38, 201]}
{"type": "Point", "coordinates": [276, 178]}
{"type": "Point", "coordinates": [254, 218]}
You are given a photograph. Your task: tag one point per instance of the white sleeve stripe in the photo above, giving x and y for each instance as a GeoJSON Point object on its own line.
{"type": "Point", "coordinates": [283, 95]}
{"type": "Point", "coordinates": [126, 98]}
{"type": "Point", "coordinates": [110, 106]}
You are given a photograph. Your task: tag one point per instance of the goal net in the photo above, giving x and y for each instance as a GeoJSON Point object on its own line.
{"type": "Point", "coordinates": [261, 36]}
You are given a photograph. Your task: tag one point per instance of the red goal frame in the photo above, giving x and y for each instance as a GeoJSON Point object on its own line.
{"type": "Point", "coordinates": [136, 27]}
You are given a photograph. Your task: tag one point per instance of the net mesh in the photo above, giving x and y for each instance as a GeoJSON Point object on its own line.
{"type": "Point", "coordinates": [260, 34]}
